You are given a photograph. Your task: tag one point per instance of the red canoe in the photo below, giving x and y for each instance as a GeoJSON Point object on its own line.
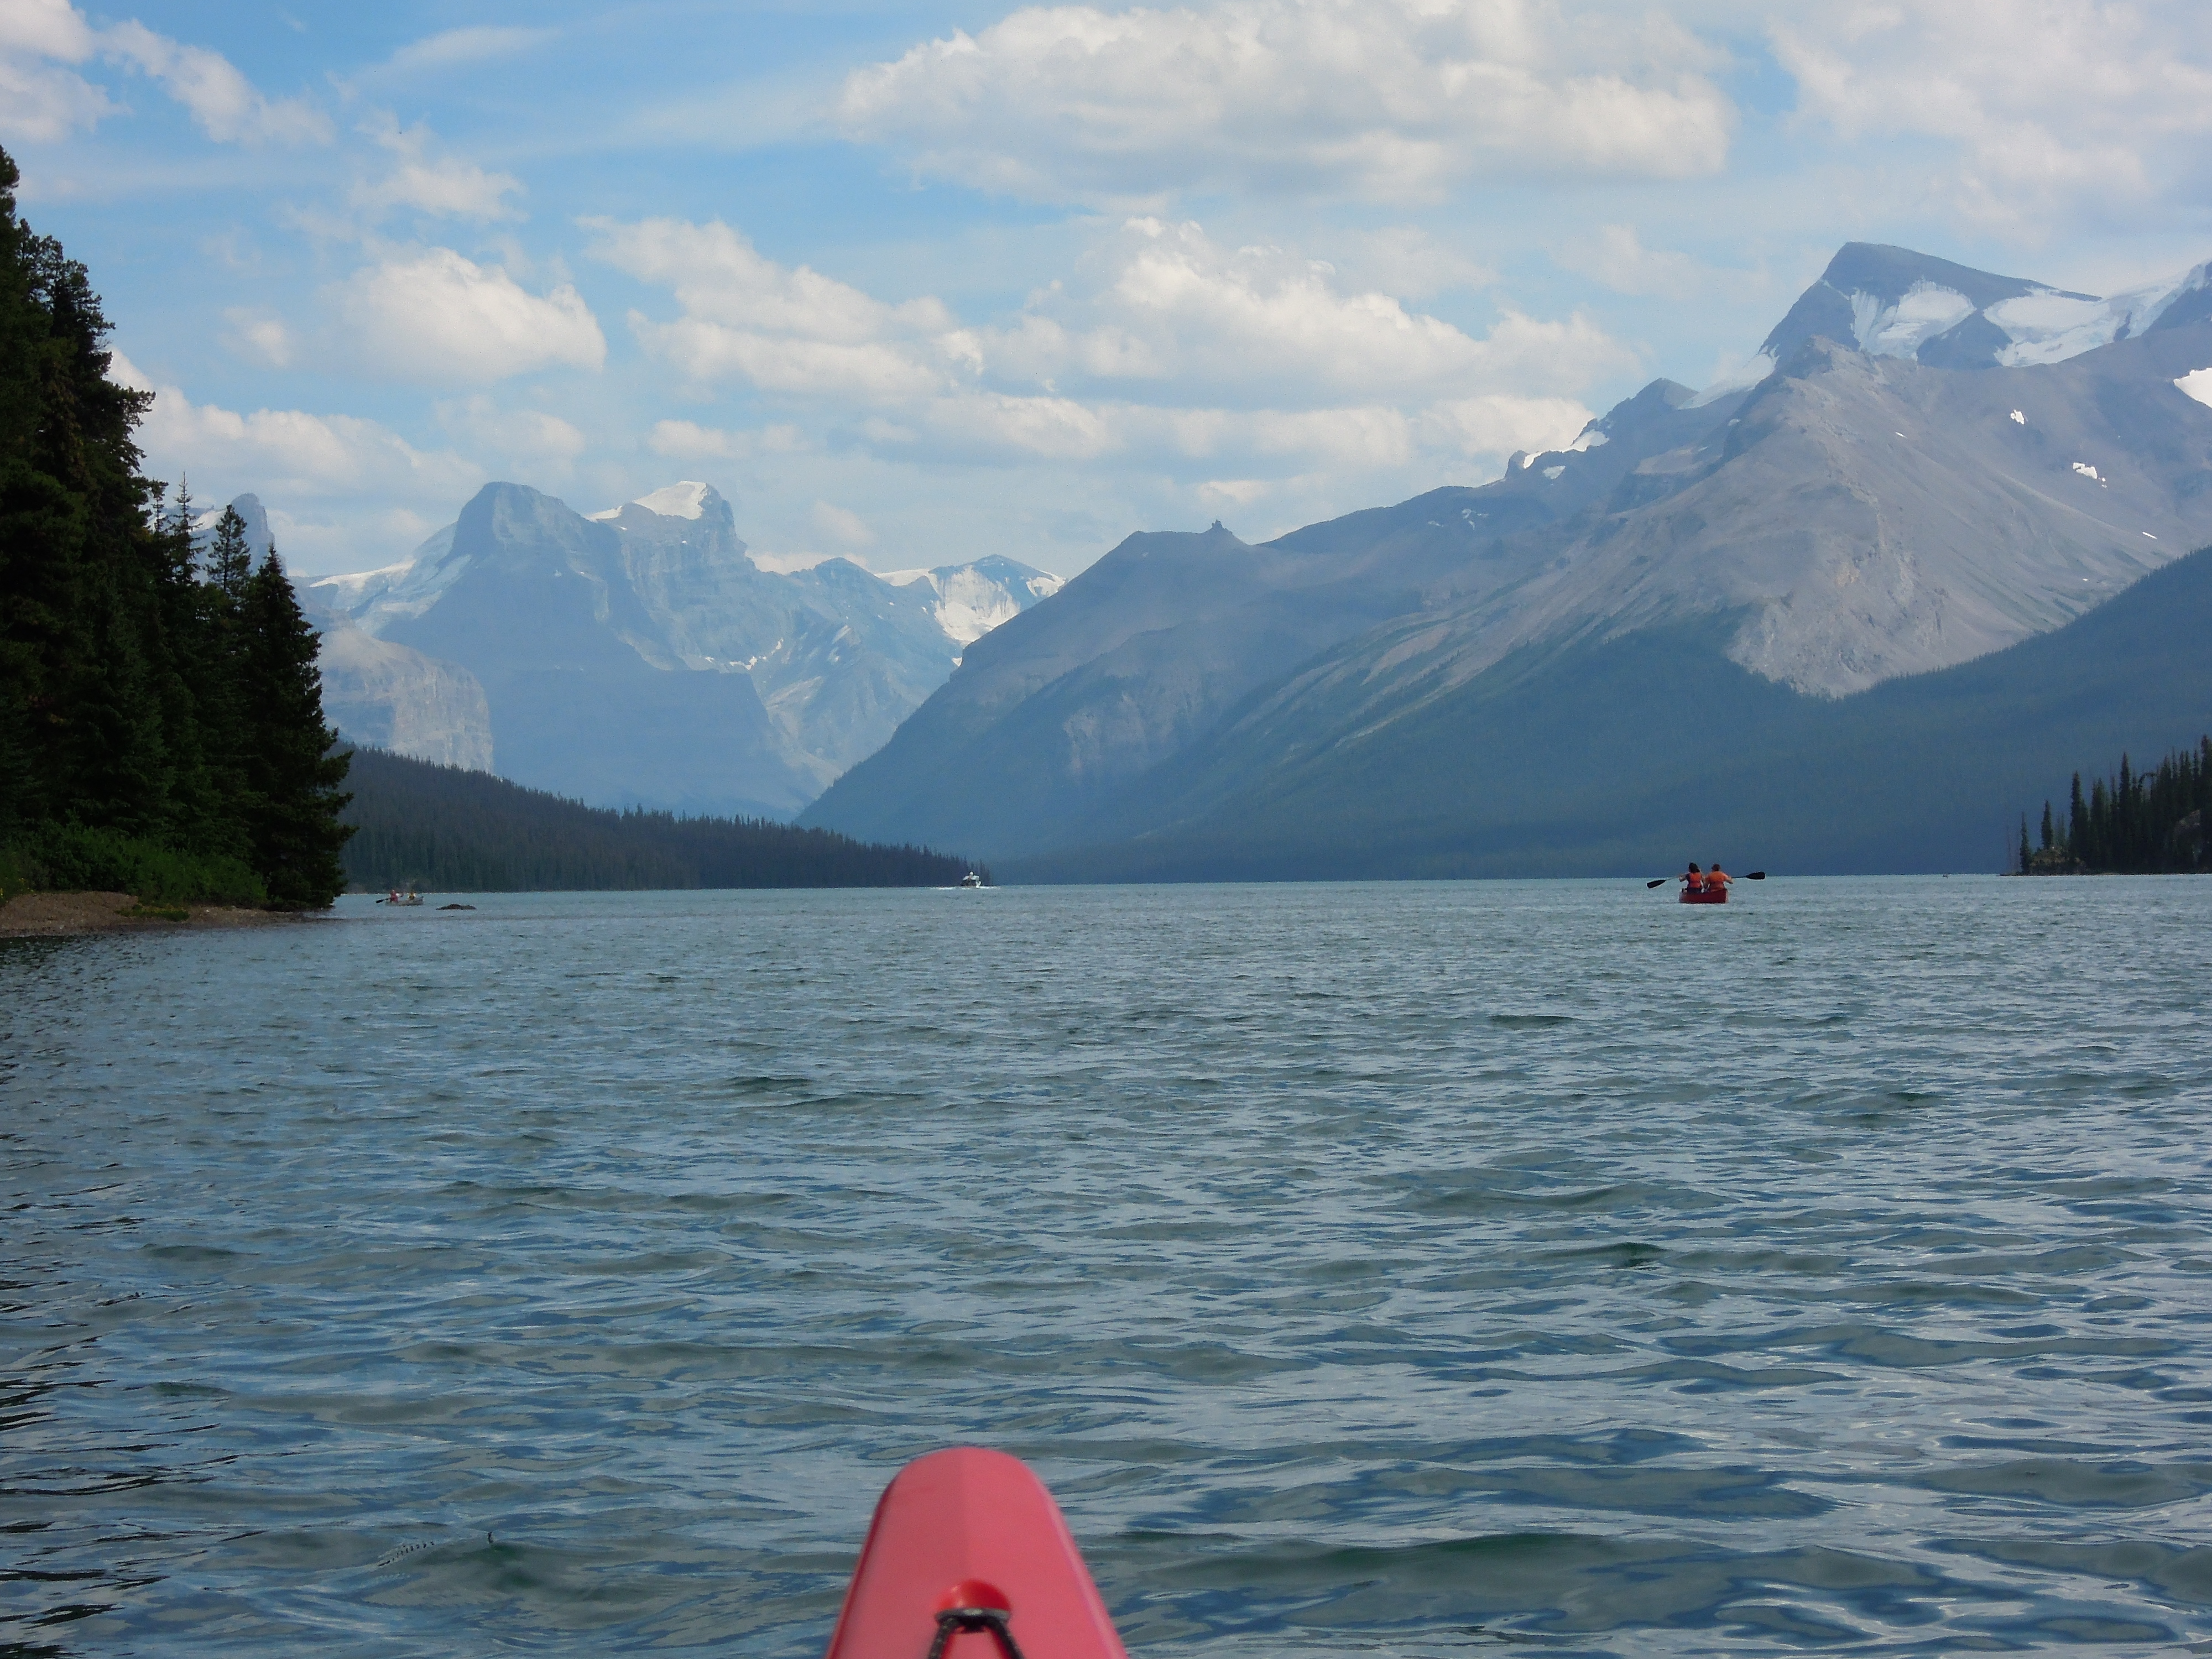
{"type": "Point", "coordinates": [968, 1558]}
{"type": "Point", "coordinates": [1705, 895]}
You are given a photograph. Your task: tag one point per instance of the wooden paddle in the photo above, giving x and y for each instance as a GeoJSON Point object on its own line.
{"type": "Point", "coordinates": [1756, 875]}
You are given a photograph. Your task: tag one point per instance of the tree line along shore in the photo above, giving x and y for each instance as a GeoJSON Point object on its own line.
{"type": "Point", "coordinates": [2149, 824]}
{"type": "Point", "coordinates": [439, 828]}
{"type": "Point", "coordinates": [162, 736]}
{"type": "Point", "coordinates": [161, 728]}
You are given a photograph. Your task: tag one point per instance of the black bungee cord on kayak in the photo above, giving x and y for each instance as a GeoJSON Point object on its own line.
{"type": "Point", "coordinates": [992, 1619]}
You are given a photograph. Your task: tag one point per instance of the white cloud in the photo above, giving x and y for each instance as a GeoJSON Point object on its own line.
{"type": "Point", "coordinates": [872, 371]}
{"type": "Point", "coordinates": [259, 337]}
{"type": "Point", "coordinates": [453, 47]}
{"type": "Point", "coordinates": [445, 186]}
{"type": "Point", "coordinates": [1262, 325]}
{"type": "Point", "coordinates": [41, 103]}
{"type": "Point", "coordinates": [1233, 492]}
{"type": "Point", "coordinates": [842, 526]}
{"type": "Point", "coordinates": [1162, 305]}
{"type": "Point", "coordinates": [223, 103]}
{"type": "Point", "coordinates": [1501, 423]}
{"type": "Point", "coordinates": [1413, 264]}
{"type": "Point", "coordinates": [46, 28]}
{"type": "Point", "coordinates": [524, 442]}
{"type": "Point", "coordinates": [1394, 99]}
{"type": "Point", "coordinates": [717, 274]}
{"type": "Point", "coordinates": [687, 440]}
{"type": "Point", "coordinates": [784, 329]}
{"type": "Point", "coordinates": [2054, 105]}
{"type": "Point", "coordinates": [1170, 352]}
{"type": "Point", "coordinates": [303, 461]}
{"type": "Point", "coordinates": [1615, 256]}
{"type": "Point", "coordinates": [435, 317]}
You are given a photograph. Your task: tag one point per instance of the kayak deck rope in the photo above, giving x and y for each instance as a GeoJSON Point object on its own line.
{"type": "Point", "coordinates": [992, 1619]}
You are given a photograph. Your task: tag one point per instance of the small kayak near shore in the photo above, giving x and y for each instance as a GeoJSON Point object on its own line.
{"type": "Point", "coordinates": [968, 1557]}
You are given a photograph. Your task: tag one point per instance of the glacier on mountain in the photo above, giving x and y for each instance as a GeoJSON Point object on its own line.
{"type": "Point", "coordinates": [973, 598]}
{"type": "Point", "coordinates": [1893, 302]}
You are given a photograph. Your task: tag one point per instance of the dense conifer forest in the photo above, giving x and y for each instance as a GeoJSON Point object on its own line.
{"type": "Point", "coordinates": [2133, 823]}
{"type": "Point", "coordinates": [445, 829]}
{"type": "Point", "coordinates": [162, 727]}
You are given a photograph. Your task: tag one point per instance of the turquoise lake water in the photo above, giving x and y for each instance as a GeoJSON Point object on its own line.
{"type": "Point", "coordinates": [1412, 1269]}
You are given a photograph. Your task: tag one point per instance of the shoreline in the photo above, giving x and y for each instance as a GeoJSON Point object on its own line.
{"type": "Point", "coordinates": [65, 915]}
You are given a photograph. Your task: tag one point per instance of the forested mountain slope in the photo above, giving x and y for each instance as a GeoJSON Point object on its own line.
{"type": "Point", "coordinates": [449, 830]}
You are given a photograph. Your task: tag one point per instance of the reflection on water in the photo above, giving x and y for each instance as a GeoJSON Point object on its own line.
{"type": "Point", "coordinates": [1404, 1269]}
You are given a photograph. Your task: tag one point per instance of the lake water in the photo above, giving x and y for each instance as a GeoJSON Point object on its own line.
{"type": "Point", "coordinates": [1396, 1269]}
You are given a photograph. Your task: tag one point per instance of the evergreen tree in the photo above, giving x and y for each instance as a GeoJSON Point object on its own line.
{"type": "Point", "coordinates": [140, 697]}
{"type": "Point", "coordinates": [2144, 823]}
{"type": "Point", "coordinates": [292, 811]}
{"type": "Point", "coordinates": [230, 559]}
{"type": "Point", "coordinates": [2046, 827]}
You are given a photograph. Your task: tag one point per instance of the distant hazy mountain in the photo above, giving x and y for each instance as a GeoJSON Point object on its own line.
{"type": "Point", "coordinates": [1857, 515]}
{"type": "Point", "coordinates": [639, 656]}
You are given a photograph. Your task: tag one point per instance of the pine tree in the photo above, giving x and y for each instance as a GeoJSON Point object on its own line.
{"type": "Point", "coordinates": [230, 559]}
{"type": "Point", "coordinates": [2027, 860]}
{"type": "Point", "coordinates": [293, 809]}
{"type": "Point", "coordinates": [2046, 826]}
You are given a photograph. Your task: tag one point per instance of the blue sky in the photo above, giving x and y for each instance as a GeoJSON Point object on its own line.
{"type": "Point", "coordinates": [916, 282]}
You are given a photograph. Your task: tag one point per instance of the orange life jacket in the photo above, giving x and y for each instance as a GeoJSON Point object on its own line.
{"type": "Point", "coordinates": [1693, 881]}
{"type": "Point", "coordinates": [1717, 878]}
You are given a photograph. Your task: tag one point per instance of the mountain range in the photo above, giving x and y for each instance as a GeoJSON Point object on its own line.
{"type": "Point", "coordinates": [1928, 466]}
{"type": "Point", "coordinates": [639, 656]}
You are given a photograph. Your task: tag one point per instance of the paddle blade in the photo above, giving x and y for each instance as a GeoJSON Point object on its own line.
{"type": "Point", "coordinates": [1662, 882]}
{"type": "Point", "coordinates": [1756, 875]}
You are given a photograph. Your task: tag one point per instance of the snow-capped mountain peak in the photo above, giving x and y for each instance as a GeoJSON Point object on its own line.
{"type": "Point", "coordinates": [1893, 302]}
{"type": "Point", "coordinates": [685, 500]}
{"type": "Point", "coordinates": [973, 598]}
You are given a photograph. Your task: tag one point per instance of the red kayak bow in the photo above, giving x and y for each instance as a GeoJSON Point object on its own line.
{"type": "Point", "coordinates": [968, 1558]}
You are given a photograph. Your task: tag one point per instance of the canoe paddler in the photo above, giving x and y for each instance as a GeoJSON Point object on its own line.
{"type": "Point", "coordinates": [1691, 881]}
{"type": "Point", "coordinates": [1716, 880]}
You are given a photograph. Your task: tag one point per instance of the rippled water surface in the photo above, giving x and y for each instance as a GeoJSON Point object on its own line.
{"type": "Point", "coordinates": [1404, 1269]}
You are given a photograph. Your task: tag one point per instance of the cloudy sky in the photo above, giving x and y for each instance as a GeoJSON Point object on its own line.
{"type": "Point", "coordinates": [917, 282]}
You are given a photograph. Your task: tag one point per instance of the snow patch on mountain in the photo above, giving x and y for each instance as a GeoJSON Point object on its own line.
{"type": "Point", "coordinates": [374, 600]}
{"type": "Point", "coordinates": [972, 600]}
{"type": "Point", "coordinates": [1926, 310]}
{"type": "Point", "coordinates": [686, 500]}
{"type": "Point", "coordinates": [1893, 302]}
{"type": "Point", "coordinates": [2197, 384]}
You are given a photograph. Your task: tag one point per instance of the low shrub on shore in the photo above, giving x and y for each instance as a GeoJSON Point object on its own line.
{"type": "Point", "coordinates": [66, 858]}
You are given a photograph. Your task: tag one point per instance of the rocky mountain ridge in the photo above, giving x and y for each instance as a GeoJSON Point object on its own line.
{"type": "Point", "coordinates": [526, 635]}
{"type": "Point", "coordinates": [1855, 516]}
